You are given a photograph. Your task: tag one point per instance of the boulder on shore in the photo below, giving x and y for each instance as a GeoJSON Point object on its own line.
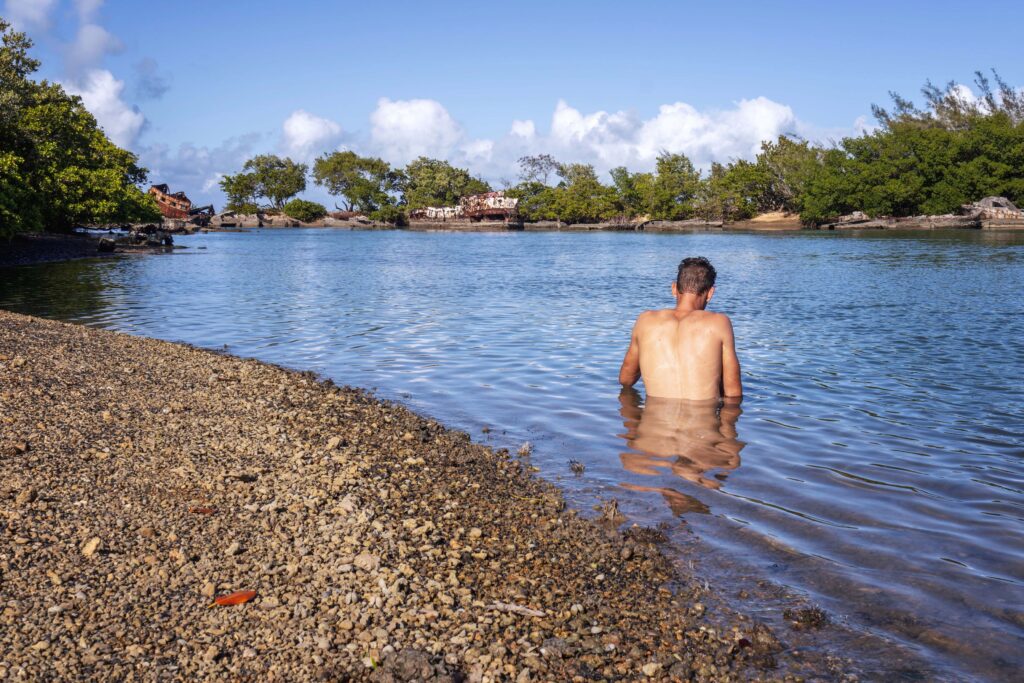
{"type": "Point", "coordinates": [993, 208]}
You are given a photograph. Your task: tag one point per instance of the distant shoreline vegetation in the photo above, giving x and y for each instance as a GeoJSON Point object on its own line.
{"type": "Point", "coordinates": [58, 169]}
{"type": "Point", "coordinates": [930, 161]}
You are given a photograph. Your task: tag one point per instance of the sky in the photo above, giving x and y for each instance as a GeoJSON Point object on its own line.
{"type": "Point", "coordinates": [197, 87]}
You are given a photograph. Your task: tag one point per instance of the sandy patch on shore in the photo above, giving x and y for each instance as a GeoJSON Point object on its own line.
{"type": "Point", "coordinates": [772, 220]}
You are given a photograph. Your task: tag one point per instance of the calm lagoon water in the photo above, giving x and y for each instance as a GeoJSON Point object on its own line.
{"type": "Point", "coordinates": [876, 466]}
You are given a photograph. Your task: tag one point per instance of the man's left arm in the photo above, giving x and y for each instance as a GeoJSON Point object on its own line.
{"type": "Point", "coordinates": [732, 387]}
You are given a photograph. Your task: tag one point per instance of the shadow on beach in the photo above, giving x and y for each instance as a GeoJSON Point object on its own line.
{"type": "Point", "coordinates": [694, 440]}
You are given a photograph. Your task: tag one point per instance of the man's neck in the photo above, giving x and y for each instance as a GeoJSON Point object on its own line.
{"type": "Point", "coordinates": [689, 302]}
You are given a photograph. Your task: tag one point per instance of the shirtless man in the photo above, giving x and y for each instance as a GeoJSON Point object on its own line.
{"type": "Point", "coordinates": [685, 352]}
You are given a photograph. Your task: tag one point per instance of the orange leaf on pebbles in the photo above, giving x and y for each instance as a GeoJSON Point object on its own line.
{"type": "Point", "coordinates": [236, 598]}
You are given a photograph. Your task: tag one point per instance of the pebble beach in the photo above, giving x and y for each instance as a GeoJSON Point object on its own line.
{"type": "Point", "coordinates": [149, 485]}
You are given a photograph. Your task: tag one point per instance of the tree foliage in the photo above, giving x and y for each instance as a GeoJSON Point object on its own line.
{"type": "Point", "coordinates": [434, 182]}
{"type": "Point", "coordinates": [390, 214]}
{"type": "Point", "coordinates": [365, 183]}
{"type": "Point", "coordinates": [304, 210]}
{"type": "Point", "coordinates": [537, 168]}
{"type": "Point", "coordinates": [242, 192]}
{"type": "Point", "coordinates": [670, 193]}
{"type": "Point", "coordinates": [57, 167]}
{"type": "Point", "coordinates": [955, 150]}
{"type": "Point", "coordinates": [580, 197]}
{"type": "Point", "coordinates": [275, 179]}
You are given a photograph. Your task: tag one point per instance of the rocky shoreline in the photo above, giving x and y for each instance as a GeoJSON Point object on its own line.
{"type": "Point", "coordinates": [144, 479]}
{"type": "Point", "coordinates": [42, 248]}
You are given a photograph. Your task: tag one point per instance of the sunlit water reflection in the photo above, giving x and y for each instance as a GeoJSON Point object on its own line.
{"type": "Point", "coordinates": [875, 464]}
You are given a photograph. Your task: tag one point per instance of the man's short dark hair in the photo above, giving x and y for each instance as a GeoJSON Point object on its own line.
{"type": "Point", "coordinates": [696, 274]}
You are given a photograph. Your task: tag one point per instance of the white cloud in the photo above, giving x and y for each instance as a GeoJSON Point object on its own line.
{"type": "Point", "coordinates": [87, 9]}
{"type": "Point", "coordinates": [620, 138]}
{"type": "Point", "coordinates": [477, 150]}
{"type": "Point", "coordinates": [404, 129]}
{"type": "Point", "coordinates": [964, 93]}
{"type": "Point", "coordinates": [101, 95]}
{"type": "Point", "coordinates": [523, 129]}
{"type": "Point", "coordinates": [92, 43]}
{"type": "Point", "coordinates": [25, 14]}
{"type": "Point", "coordinates": [864, 125]}
{"type": "Point", "coordinates": [305, 135]}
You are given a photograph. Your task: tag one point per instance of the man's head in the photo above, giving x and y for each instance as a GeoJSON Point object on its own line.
{"type": "Point", "coordinates": [696, 276]}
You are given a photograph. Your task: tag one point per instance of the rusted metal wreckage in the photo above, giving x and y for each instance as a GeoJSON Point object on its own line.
{"type": "Point", "coordinates": [493, 206]}
{"type": "Point", "coordinates": [176, 206]}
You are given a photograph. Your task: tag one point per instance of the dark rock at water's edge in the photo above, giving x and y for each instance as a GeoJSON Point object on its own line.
{"type": "Point", "coordinates": [50, 247]}
{"type": "Point", "coordinates": [46, 248]}
{"type": "Point", "coordinates": [141, 238]}
{"type": "Point", "coordinates": [860, 221]}
{"type": "Point", "coordinates": [690, 225]}
{"type": "Point", "coordinates": [229, 220]}
{"type": "Point", "coordinates": [990, 213]}
{"type": "Point", "coordinates": [673, 226]}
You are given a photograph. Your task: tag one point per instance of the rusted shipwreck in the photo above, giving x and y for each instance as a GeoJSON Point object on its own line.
{"type": "Point", "coordinates": [176, 206]}
{"type": "Point", "coordinates": [488, 206]}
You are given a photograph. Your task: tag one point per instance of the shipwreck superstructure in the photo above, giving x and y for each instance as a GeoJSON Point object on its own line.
{"type": "Point", "coordinates": [172, 204]}
{"type": "Point", "coordinates": [489, 206]}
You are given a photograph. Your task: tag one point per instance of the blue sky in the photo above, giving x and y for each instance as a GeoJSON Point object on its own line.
{"type": "Point", "coordinates": [196, 87]}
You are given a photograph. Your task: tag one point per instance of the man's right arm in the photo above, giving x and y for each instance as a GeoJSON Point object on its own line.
{"type": "Point", "coordinates": [732, 387]}
{"type": "Point", "coordinates": [629, 373]}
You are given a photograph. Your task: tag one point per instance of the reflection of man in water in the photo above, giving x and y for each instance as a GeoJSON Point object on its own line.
{"type": "Point", "coordinates": [688, 438]}
{"type": "Point", "coordinates": [686, 351]}
{"type": "Point", "coordinates": [687, 358]}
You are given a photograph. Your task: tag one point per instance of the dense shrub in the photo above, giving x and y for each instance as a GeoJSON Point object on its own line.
{"type": "Point", "coordinates": [305, 211]}
{"type": "Point", "coordinates": [390, 214]}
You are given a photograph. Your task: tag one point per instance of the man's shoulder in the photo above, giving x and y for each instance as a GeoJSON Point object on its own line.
{"type": "Point", "coordinates": [653, 315]}
{"type": "Point", "coordinates": [716, 317]}
{"type": "Point", "coordinates": [648, 314]}
{"type": "Point", "coordinates": [717, 320]}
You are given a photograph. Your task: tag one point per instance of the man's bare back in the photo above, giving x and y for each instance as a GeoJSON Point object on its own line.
{"type": "Point", "coordinates": [685, 352]}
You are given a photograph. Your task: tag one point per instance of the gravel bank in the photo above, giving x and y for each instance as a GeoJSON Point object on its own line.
{"type": "Point", "coordinates": [142, 479]}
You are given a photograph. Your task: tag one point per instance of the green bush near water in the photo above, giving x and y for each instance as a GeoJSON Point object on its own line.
{"type": "Point", "coordinates": [390, 214]}
{"type": "Point", "coordinates": [305, 211]}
